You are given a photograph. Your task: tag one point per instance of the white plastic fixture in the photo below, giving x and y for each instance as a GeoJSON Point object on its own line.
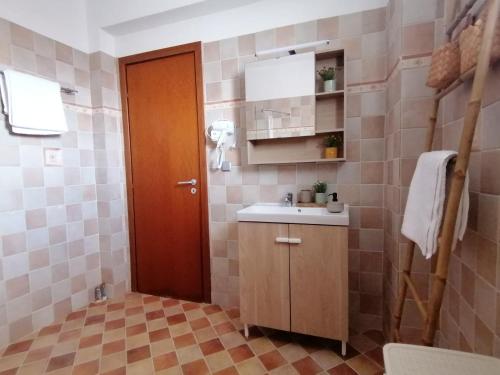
{"type": "Point", "coordinates": [218, 133]}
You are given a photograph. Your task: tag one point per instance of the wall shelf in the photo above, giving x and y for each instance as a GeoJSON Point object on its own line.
{"type": "Point", "coordinates": [338, 130]}
{"type": "Point", "coordinates": [329, 95]}
{"type": "Point", "coordinates": [330, 119]}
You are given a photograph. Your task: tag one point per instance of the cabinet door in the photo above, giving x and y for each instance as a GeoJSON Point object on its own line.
{"type": "Point", "coordinates": [318, 281]}
{"type": "Point", "coordinates": [264, 275]}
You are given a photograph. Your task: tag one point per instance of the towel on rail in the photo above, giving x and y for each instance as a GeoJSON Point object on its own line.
{"type": "Point", "coordinates": [33, 104]}
{"type": "Point", "coordinates": [425, 204]}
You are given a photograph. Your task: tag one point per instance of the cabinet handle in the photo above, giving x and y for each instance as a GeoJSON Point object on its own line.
{"type": "Point", "coordinates": [288, 240]}
{"type": "Point", "coordinates": [282, 239]}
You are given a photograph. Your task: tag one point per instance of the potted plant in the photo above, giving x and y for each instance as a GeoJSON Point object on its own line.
{"type": "Point", "coordinates": [320, 192]}
{"type": "Point", "coordinates": [328, 77]}
{"type": "Point", "coordinates": [332, 143]}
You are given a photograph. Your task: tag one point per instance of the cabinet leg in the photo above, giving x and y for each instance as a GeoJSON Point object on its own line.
{"type": "Point", "coordinates": [344, 348]}
{"type": "Point", "coordinates": [246, 331]}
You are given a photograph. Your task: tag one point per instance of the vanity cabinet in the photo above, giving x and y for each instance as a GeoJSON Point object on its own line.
{"type": "Point", "coordinates": [293, 277]}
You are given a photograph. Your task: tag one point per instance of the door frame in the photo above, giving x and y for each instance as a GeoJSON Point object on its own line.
{"type": "Point", "coordinates": [123, 62]}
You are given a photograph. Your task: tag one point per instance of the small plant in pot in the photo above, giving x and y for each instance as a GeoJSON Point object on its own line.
{"type": "Point", "coordinates": [328, 76]}
{"type": "Point", "coordinates": [320, 192]}
{"type": "Point", "coordinates": [332, 143]}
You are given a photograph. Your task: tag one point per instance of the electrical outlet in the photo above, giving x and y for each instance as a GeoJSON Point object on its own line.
{"type": "Point", "coordinates": [53, 157]}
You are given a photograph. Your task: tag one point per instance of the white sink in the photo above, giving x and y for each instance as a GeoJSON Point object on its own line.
{"type": "Point", "coordinates": [275, 213]}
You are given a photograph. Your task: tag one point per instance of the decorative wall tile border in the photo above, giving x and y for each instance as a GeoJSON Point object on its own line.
{"type": "Point", "coordinates": [91, 111]}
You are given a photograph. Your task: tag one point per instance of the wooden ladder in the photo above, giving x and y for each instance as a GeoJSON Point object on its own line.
{"type": "Point", "coordinates": [430, 313]}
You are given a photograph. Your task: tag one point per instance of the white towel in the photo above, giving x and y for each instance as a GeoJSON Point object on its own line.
{"type": "Point", "coordinates": [33, 104]}
{"type": "Point", "coordinates": [424, 207]}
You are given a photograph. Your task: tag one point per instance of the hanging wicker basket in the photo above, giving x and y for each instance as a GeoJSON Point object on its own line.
{"type": "Point", "coordinates": [445, 66]}
{"type": "Point", "coordinates": [470, 43]}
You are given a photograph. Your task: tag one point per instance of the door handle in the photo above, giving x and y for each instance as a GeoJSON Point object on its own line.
{"type": "Point", "coordinates": [190, 182]}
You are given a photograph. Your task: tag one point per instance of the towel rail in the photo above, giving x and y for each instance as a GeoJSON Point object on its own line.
{"type": "Point", "coordinates": [64, 90]}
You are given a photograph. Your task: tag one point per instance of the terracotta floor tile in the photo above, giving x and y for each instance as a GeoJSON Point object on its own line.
{"type": "Point", "coordinates": [240, 353]}
{"type": "Point", "coordinates": [61, 361]}
{"type": "Point", "coordinates": [326, 359]}
{"type": "Point", "coordinates": [113, 361]}
{"type": "Point", "coordinates": [176, 319]}
{"type": "Point", "coordinates": [205, 334]}
{"type": "Point", "coordinates": [113, 347]}
{"type": "Point", "coordinates": [150, 299]}
{"type": "Point", "coordinates": [225, 327]}
{"type": "Point", "coordinates": [212, 346]}
{"type": "Point", "coordinates": [76, 315]}
{"type": "Point", "coordinates": [211, 309]}
{"type": "Point", "coordinates": [190, 306]}
{"type": "Point", "coordinates": [141, 334]}
{"type": "Point", "coordinates": [307, 366]}
{"type": "Point", "coordinates": [376, 355]}
{"type": "Point", "coordinates": [189, 354]}
{"type": "Point", "coordinates": [165, 361]}
{"type": "Point", "coordinates": [138, 354]}
{"type": "Point", "coordinates": [69, 335]}
{"type": "Point", "coordinates": [18, 347]}
{"type": "Point", "coordinates": [114, 324]}
{"type": "Point", "coordinates": [170, 302]}
{"type": "Point", "coordinates": [219, 361]}
{"type": "Point", "coordinates": [264, 345]}
{"type": "Point", "coordinates": [38, 354]}
{"type": "Point", "coordinates": [227, 371]}
{"type": "Point", "coordinates": [251, 366]}
{"type": "Point", "coordinates": [89, 368]}
{"type": "Point", "coordinates": [50, 330]}
{"type": "Point", "coordinates": [115, 306]}
{"type": "Point", "coordinates": [363, 365]}
{"type": "Point", "coordinates": [158, 335]}
{"type": "Point", "coordinates": [184, 340]}
{"type": "Point", "coordinates": [134, 310]}
{"type": "Point", "coordinates": [88, 341]}
{"type": "Point", "coordinates": [157, 314]}
{"type": "Point", "coordinates": [272, 360]}
{"type": "Point", "coordinates": [118, 371]}
{"type": "Point", "coordinates": [342, 369]}
{"type": "Point", "coordinates": [95, 319]}
{"type": "Point", "coordinates": [199, 323]}
{"type": "Point", "coordinates": [12, 371]}
{"type": "Point", "coordinates": [136, 329]}
{"type": "Point", "coordinates": [198, 367]}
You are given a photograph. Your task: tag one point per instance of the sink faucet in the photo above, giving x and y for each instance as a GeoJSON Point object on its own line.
{"type": "Point", "coordinates": [288, 200]}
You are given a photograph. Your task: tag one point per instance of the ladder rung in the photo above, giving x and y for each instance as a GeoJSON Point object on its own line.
{"type": "Point", "coordinates": [416, 296]}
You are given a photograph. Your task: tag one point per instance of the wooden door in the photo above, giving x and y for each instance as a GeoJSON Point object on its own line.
{"type": "Point", "coordinates": [264, 275]}
{"type": "Point", "coordinates": [318, 281]}
{"type": "Point", "coordinates": [162, 103]}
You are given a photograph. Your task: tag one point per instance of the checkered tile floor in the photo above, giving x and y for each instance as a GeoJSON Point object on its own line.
{"type": "Point", "coordinates": [143, 334]}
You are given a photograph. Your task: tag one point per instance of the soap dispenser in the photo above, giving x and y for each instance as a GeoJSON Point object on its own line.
{"type": "Point", "coordinates": [334, 206]}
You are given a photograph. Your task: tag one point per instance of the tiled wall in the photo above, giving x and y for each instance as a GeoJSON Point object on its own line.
{"type": "Point", "coordinates": [412, 38]}
{"type": "Point", "coordinates": [470, 319]}
{"type": "Point", "coordinates": [60, 225]}
{"type": "Point", "coordinates": [359, 181]}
